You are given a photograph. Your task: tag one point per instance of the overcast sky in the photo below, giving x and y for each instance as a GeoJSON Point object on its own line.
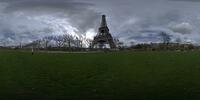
{"type": "Point", "coordinates": [129, 20]}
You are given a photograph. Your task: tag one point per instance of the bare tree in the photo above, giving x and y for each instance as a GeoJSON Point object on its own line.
{"type": "Point", "coordinates": [46, 40]}
{"type": "Point", "coordinates": [59, 41]}
{"type": "Point", "coordinates": [78, 42]}
{"type": "Point", "coordinates": [37, 43]}
{"type": "Point", "coordinates": [89, 43]}
{"type": "Point", "coordinates": [178, 40]}
{"type": "Point", "coordinates": [121, 44]}
{"type": "Point", "coordinates": [116, 41]}
{"type": "Point", "coordinates": [166, 38]}
{"type": "Point", "coordinates": [67, 39]}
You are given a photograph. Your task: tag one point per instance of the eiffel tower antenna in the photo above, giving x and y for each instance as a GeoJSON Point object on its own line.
{"type": "Point", "coordinates": [103, 21]}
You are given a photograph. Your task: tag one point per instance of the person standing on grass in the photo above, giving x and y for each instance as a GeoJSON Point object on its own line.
{"type": "Point", "coordinates": [32, 51]}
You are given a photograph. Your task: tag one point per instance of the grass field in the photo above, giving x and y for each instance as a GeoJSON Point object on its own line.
{"type": "Point", "coordinates": [97, 76]}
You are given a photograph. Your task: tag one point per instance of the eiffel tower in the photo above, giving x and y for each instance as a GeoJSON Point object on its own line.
{"type": "Point", "coordinates": [103, 37]}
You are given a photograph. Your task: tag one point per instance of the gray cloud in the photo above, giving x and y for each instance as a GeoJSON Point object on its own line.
{"type": "Point", "coordinates": [187, 0]}
{"type": "Point", "coordinates": [33, 19]}
{"type": "Point", "coordinates": [46, 6]}
{"type": "Point", "coordinates": [130, 20]}
{"type": "Point", "coordinates": [156, 16]}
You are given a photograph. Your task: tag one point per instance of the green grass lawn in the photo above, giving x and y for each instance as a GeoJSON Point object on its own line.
{"type": "Point", "coordinates": [110, 76]}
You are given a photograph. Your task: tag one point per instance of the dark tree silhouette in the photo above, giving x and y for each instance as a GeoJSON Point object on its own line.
{"type": "Point", "coordinates": [166, 38]}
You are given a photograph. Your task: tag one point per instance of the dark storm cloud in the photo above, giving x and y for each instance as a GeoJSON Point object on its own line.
{"type": "Point", "coordinates": [45, 5]}
{"type": "Point", "coordinates": [178, 19]}
{"type": "Point", "coordinates": [78, 12]}
{"type": "Point", "coordinates": [187, 0]}
{"type": "Point", "coordinates": [130, 20]}
{"type": "Point", "coordinates": [32, 19]}
{"type": "Point", "coordinates": [146, 26]}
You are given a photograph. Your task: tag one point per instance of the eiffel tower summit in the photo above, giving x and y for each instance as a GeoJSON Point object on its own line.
{"type": "Point", "coordinates": [103, 39]}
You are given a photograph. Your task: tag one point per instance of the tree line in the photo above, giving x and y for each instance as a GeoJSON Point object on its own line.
{"type": "Point", "coordinates": [59, 41]}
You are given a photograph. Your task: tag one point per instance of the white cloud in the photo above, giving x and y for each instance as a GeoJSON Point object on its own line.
{"type": "Point", "coordinates": [183, 28]}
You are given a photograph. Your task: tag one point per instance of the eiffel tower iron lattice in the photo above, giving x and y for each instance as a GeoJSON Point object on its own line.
{"type": "Point", "coordinates": [103, 37]}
